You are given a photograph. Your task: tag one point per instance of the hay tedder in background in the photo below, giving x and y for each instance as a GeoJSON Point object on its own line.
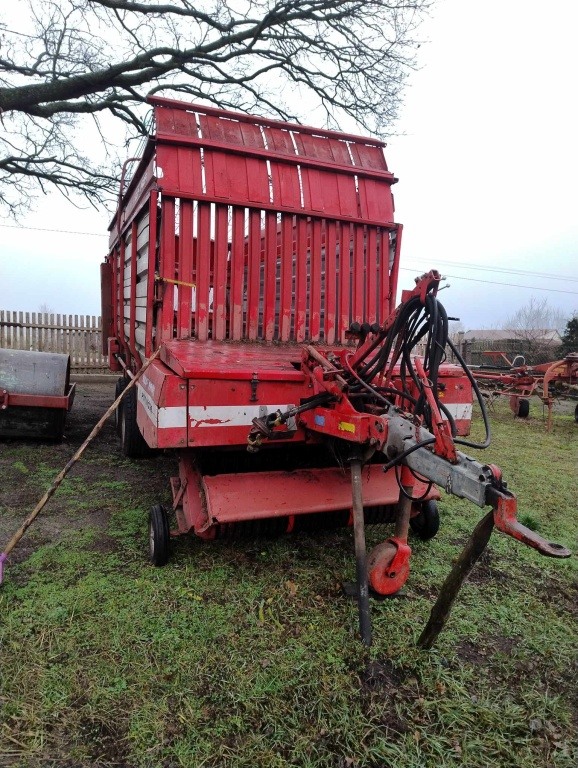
{"type": "Point", "coordinates": [260, 260]}
{"type": "Point", "coordinates": [519, 381]}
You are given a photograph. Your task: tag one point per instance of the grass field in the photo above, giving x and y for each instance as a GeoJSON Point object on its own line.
{"type": "Point", "coordinates": [246, 653]}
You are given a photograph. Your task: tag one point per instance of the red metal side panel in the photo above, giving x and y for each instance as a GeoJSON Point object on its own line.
{"type": "Point", "coordinates": [345, 275]}
{"type": "Point", "coordinates": [330, 251]}
{"type": "Point", "coordinates": [358, 273]}
{"type": "Point", "coordinates": [301, 280]}
{"type": "Point", "coordinates": [185, 269]}
{"type": "Point", "coordinates": [237, 273]}
{"type": "Point", "coordinates": [203, 270]}
{"type": "Point", "coordinates": [233, 175]}
{"type": "Point", "coordinates": [220, 411]}
{"type": "Point", "coordinates": [371, 276]}
{"type": "Point", "coordinates": [180, 169]}
{"type": "Point", "coordinates": [384, 302]}
{"type": "Point", "coordinates": [152, 248]}
{"type": "Point", "coordinates": [167, 267]}
{"type": "Point", "coordinates": [269, 258]}
{"type": "Point", "coordinates": [375, 201]}
{"type": "Point", "coordinates": [254, 276]}
{"type": "Point", "coordinates": [315, 281]}
{"type": "Point", "coordinates": [232, 497]}
{"type": "Point", "coordinates": [221, 251]}
{"type": "Point", "coordinates": [394, 270]}
{"type": "Point", "coordinates": [286, 253]}
{"type": "Point", "coordinates": [132, 308]}
{"type": "Point", "coordinates": [368, 156]}
{"type": "Point", "coordinates": [162, 407]}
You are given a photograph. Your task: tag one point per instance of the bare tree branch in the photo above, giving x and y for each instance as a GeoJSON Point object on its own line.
{"type": "Point", "coordinates": [69, 58]}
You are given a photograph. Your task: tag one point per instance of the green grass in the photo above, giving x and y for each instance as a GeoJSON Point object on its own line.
{"type": "Point", "coordinates": [246, 654]}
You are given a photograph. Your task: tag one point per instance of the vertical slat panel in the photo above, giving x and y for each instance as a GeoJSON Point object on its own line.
{"type": "Point", "coordinates": [150, 277]}
{"type": "Point", "coordinates": [221, 251]}
{"type": "Point", "coordinates": [253, 281]}
{"type": "Point", "coordinates": [167, 267]}
{"type": "Point", "coordinates": [185, 269]}
{"type": "Point", "coordinates": [394, 270]}
{"type": "Point", "coordinates": [203, 264]}
{"type": "Point", "coordinates": [132, 309]}
{"type": "Point", "coordinates": [315, 281]}
{"type": "Point", "coordinates": [237, 272]}
{"type": "Point", "coordinates": [115, 307]}
{"type": "Point", "coordinates": [344, 279]}
{"type": "Point", "coordinates": [330, 281]}
{"type": "Point", "coordinates": [301, 280]}
{"type": "Point", "coordinates": [371, 276]}
{"type": "Point", "coordinates": [270, 278]}
{"type": "Point", "coordinates": [358, 274]}
{"type": "Point", "coordinates": [382, 276]}
{"type": "Point", "coordinates": [286, 289]}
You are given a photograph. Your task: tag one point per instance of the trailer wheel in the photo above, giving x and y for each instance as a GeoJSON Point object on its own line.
{"type": "Point", "coordinates": [120, 386]}
{"type": "Point", "coordinates": [576, 414]}
{"type": "Point", "coordinates": [523, 408]}
{"type": "Point", "coordinates": [159, 536]}
{"type": "Point", "coordinates": [426, 523]}
{"type": "Point", "coordinates": [132, 442]}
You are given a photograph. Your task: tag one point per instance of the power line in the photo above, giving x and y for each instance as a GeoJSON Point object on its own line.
{"type": "Point", "coordinates": [505, 270]}
{"type": "Point", "coordinates": [494, 282]}
{"type": "Point", "coordinates": [60, 231]}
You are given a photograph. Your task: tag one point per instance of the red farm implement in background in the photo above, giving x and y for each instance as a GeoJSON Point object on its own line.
{"type": "Point", "coordinates": [519, 381]}
{"type": "Point", "coordinates": [261, 258]}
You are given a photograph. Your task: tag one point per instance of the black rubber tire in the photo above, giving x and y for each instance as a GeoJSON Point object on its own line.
{"type": "Point", "coordinates": [576, 414]}
{"type": "Point", "coordinates": [523, 408]}
{"type": "Point", "coordinates": [159, 536]}
{"type": "Point", "coordinates": [132, 443]}
{"type": "Point", "coordinates": [120, 386]}
{"type": "Point", "coordinates": [426, 524]}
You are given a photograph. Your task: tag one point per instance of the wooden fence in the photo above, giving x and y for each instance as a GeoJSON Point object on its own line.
{"type": "Point", "coordinates": [79, 336]}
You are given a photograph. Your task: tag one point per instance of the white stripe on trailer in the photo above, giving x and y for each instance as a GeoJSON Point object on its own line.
{"type": "Point", "coordinates": [163, 418]}
{"type": "Point", "coordinates": [175, 416]}
{"type": "Point", "coordinates": [230, 415]}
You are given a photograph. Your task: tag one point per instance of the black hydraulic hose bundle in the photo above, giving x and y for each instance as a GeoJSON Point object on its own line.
{"type": "Point", "coordinates": [414, 322]}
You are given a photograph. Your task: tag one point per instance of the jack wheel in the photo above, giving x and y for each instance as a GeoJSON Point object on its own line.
{"type": "Point", "coordinates": [381, 578]}
{"type": "Point", "coordinates": [159, 536]}
{"type": "Point", "coordinates": [426, 523]}
{"type": "Point", "coordinates": [523, 408]}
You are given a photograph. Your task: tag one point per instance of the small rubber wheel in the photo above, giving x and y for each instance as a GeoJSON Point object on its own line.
{"type": "Point", "coordinates": [119, 388]}
{"type": "Point", "coordinates": [132, 443]}
{"type": "Point", "coordinates": [159, 536]}
{"type": "Point", "coordinates": [426, 523]}
{"type": "Point", "coordinates": [523, 408]}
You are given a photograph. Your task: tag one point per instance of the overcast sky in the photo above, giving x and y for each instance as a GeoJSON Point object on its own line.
{"type": "Point", "coordinates": [486, 161]}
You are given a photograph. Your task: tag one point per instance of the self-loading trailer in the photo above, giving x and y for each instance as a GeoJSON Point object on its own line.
{"type": "Point", "coordinates": [260, 260]}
